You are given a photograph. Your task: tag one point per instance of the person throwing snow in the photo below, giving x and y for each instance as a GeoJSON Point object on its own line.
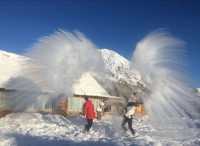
{"type": "Point", "coordinates": [128, 116]}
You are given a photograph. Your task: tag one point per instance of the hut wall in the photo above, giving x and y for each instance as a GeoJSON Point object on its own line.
{"type": "Point", "coordinates": [75, 104]}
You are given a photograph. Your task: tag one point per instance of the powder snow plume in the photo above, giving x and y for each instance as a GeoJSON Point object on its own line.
{"type": "Point", "coordinates": [56, 62]}
{"type": "Point", "coordinates": [65, 56]}
{"type": "Point", "coordinates": [159, 59]}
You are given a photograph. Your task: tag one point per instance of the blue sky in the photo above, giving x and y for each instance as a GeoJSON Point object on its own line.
{"type": "Point", "coordinates": [109, 24]}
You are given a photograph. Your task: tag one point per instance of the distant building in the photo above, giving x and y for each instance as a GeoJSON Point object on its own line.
{"type": "Point", "coordinates": [86, 86]}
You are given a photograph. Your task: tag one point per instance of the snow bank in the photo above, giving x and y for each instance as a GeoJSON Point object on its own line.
{"type": "Point", "coordinates": [39, 129]}
{"type": "Point", "coordinates": [31, 129]}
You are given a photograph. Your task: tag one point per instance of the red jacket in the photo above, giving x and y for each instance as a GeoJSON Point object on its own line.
{"type": "Point", "coordinates": [88, 110]}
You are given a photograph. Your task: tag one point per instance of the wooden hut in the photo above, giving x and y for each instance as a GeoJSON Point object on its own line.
{"type": "Point", "coordinates": [87, 86]}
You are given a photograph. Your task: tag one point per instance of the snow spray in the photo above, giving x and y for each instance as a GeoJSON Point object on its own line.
{"type": "Point", "coordinates": [56, 61]}
{"type": "Point", "coordinates": [171, 101]}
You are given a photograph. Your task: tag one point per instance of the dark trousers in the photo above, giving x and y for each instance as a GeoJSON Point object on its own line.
{"type": "Point", "coordinates": [129, 121]}
{"type": "Point", "coordinates": [89, 124]}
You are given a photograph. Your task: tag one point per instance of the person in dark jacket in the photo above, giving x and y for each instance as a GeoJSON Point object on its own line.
{"type": "Point", "coordinates": [89, 113]}
{"type": "Point", "coordinates": [128, 116]}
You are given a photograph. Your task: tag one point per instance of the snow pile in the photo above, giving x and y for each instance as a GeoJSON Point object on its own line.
{"type": "Point", "coordinates": [31, 129]}
{"type": "Point", "coordinates": [20, 126]}
{"type": "Point", "coordinates": [22, 129]}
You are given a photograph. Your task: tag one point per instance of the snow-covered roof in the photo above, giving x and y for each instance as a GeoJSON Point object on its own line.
{"type": "Point", "coordinates": [87, 85]}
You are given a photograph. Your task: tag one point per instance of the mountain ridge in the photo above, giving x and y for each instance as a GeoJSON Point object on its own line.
{"type": "Point", "coordinates": [117, 66]}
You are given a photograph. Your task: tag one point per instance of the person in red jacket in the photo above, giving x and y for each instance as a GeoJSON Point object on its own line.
{"type": "Point", "coordinates": [89, 113]}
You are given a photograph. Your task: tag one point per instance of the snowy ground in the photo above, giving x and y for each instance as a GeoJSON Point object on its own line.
{"type": "Point", "coordinates": [34, 129]}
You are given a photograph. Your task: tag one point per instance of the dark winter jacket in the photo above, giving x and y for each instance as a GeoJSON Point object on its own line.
{"type": "Point", "coordinates": [130, 110]}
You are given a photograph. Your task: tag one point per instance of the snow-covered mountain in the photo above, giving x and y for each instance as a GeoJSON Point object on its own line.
{"type": "Point", "coordinates": [122, 81]}
{"type": "Point", "coordinates": [119, 67]}
{"type": "Point", "coordinates": [10, 65]}
{"type": "Point", "coordinates": [114, 62]}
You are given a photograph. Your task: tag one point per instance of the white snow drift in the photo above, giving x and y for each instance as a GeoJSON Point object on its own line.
{"type": "Point", "coordinates": [31, 129]}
